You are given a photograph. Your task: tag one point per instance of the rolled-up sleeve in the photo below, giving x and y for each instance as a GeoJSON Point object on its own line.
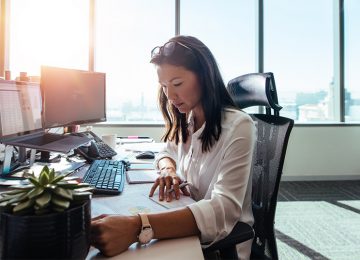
{"type": "Point", "coordinates": [230, 199]}
{"type": "Point", "coordinates": [170, 150]}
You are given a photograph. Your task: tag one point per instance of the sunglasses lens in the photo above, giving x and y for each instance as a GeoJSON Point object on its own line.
{"type": "Point", "coordinates": [168, 48]}
{"type": "Point", "coordinates": [155, 51]}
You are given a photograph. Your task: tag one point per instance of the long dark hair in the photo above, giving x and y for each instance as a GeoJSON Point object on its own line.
{"type": "Point", "coordinates": [195, 56]}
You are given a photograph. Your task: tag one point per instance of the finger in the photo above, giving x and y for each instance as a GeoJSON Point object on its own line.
{"type": "Point", "coordinates": [168, 181]}
{"type": "Point", "coordinates": [161, 189]}
{"type": "Point", "coordinates": [176, 181]}
{"type": "Point", "coordinates": [93, 240]}
{"type": "Point", "coordinates": [95, 230]}
{"type": "Point", "coordinates": [99, 217]}
{"type": "Point", "coordinates": [153, 188]}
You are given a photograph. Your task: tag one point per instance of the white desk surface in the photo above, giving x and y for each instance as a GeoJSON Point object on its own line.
{"type": "Point", "coordinates": [135, 199]}
{"type": "Point", "coordinates": [180, 248]}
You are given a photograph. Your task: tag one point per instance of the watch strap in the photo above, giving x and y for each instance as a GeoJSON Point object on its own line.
{"type": "Point", "coordinates": [144, 220]}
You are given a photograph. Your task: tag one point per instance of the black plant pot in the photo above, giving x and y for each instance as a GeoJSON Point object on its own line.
{"type": "Point", "coordinates": [64, 235]}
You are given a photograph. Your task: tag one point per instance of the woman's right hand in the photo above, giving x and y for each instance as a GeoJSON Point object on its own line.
{"type": "Point", "coordinates": [168, 183]}
{"type": "Point", "coordinates": [113, 234]}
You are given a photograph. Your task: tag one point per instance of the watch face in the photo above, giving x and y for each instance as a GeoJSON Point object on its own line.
{"type": "Point", "coordinates": [146, 235]}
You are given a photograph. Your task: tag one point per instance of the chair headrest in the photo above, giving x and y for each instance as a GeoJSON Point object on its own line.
{"type": "Point", "coordinates": [254, 89]}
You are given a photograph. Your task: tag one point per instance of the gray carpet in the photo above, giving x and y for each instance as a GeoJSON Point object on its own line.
{"type": "Point", "coordinates": [318, 220]}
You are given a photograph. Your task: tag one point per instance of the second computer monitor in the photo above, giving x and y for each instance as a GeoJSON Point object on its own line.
{"type": "Point", "coordinates": [20, 108]}
{"type": "Point", "coordinates": [72, 97]}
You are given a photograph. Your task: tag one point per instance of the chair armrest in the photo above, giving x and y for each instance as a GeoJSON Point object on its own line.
{"type": "Point", "coordinates": [240, 233]}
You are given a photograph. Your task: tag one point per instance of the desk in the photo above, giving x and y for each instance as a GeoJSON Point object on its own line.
{"type": "Point", "coordinates": [134, 199]}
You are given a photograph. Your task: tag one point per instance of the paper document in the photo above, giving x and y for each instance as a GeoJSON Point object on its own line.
{"type": "Point", "coordinates": [128, 206]}
{"type": "Point", "coordinates": [141, 176]}
{"type": "Point", "coordinates": [182, 202]}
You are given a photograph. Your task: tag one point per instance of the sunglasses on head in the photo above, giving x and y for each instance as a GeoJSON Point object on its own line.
{"type": "Point", "coordinates": [167, 49]}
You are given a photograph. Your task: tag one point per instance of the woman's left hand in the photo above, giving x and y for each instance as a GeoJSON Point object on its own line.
{"type": "Point", "coordinates": [113, 234]}
{"type": "Point", "coordinates": [167, 181]}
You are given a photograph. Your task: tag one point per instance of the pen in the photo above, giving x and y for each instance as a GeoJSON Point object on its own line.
{"type": "Point", "coordinates": [134, 137]}
{"type": "Point", "coordinates": [182, 185]}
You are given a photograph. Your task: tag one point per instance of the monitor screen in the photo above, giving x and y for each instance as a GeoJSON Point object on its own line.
{"type": "Point", "coordinates": [20, 108]}
{"type": "Point", "coordinates": [72, 97]}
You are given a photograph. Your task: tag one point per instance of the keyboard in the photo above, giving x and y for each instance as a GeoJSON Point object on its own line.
{"type": "Point", "coordinates": [105, 151]}
{"type": "Point", "coordinates": [106, 176]}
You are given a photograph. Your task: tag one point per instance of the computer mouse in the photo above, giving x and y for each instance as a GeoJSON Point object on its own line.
{"type": "Point", "coordinates": [145, 155]}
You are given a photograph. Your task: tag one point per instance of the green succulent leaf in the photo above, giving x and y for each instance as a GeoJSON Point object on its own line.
{"type": "Point", "coordinates": [51, 175]}
{"type": "Point", "coordinates": [35, 192]}
{"type": "Point", "coordinates": [25, 187]}
{"type": "Point", "coordinates": [43, 200]}
{"type": "Point", "coordinates": [67, 194]}
{"type": "Point", "coordinates": [59, 202]}
{"type": "Point", "coordinates": [18, 198]}
{"type": "Point", "coordinates": [34, 181]}
{"type": "Point", "coordinates": [45, 169]}
{"type": "Point", "coordinates": [23, 206]}
{"type": "Point", "coordinates": [11, 192]}
{"type": "Point", "coordinates": [8, 199]}
{"type": "Point", "coordinates": [44, 178]}
{"type": "Point", "coordinates": [57, 179]}
{"type": "Point", "coordinates": [72, 185]}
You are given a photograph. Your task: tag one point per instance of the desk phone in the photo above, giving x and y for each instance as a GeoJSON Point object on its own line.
{"type": "Point", "coordinates": [97, 148]}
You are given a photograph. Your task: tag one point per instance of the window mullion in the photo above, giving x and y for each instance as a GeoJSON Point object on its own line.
{"type": "Point", "coordinates": [339, 91]}
{"type": "Point", "coordinates": [91, 35]}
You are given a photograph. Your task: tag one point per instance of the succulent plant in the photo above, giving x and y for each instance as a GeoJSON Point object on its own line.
{"type": "Point", "coordinates": [47, 193]}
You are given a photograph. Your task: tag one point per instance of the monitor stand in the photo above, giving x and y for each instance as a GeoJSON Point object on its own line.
{"type": "Point", "coordinates": [9, 166]}
{"type": "Point", "coordinates": [71, 129]}
{"type": "Point", "coordinates": [45, 157]}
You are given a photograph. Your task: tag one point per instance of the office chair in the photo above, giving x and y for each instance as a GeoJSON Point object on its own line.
{"type": "Point", "coordinates": [273, 131]}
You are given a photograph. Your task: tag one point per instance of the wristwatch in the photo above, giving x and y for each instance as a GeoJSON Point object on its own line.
{"type": "Point", "coordinates": [146, 233]}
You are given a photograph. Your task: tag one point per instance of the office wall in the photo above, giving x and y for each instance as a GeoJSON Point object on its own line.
{"type": "Point", "coordinates": [324, 152]}
{"type": "Point", "coordinates": [314, 153]}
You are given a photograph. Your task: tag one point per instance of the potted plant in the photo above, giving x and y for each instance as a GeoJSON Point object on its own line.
{"type": "Point", "coordinates": [47, 217]}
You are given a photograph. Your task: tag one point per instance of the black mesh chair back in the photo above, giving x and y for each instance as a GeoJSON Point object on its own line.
{"type": "Point", "coordinates": [255, 89]}
{"type": "Point", "coordinates": [273, 131]}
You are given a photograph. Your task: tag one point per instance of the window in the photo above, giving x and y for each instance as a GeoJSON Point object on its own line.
{"type": "Point", "coordinates": [298, 49]}
{"type": "Point", "coordinates": [42, 32]}
{"type": "Point", "coordinates": [227, 29]}
{"type": "Point", "coordinates": [126, 32]}
{"type": "Point", "coordinates": [352, 60]}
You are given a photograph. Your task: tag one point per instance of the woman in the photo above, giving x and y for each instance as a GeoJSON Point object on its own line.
{"type": "Point", "coordinates": [209, 145]}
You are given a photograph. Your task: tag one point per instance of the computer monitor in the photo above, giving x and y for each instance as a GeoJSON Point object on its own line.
{"type": "Point", "coordinates": [20, 108]}
{"type": "Point", "coordinates": [72, 97]}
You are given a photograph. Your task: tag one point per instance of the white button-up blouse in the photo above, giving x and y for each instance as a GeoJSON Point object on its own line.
{"type": "Point", "coordinates": [220, 179]}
